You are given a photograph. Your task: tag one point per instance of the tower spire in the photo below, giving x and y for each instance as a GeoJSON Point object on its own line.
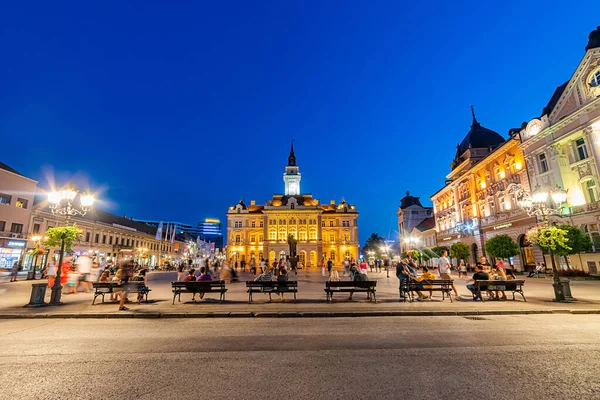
{"type": "Point", "coordinates": [292, 157]}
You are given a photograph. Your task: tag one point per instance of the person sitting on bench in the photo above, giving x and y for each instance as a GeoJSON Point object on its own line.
{"type": "Point", "coordinates": [266, 276]}
{"type": "Point", "coordinates": [537, 271]}
{"type": "Point", "coordinates": [426, 276]}
{"type": "Point", "coordinates": [479, 275]}
{"type": "Point", "coordinates": [358, 276]}
{"type": "Point", "coordinates": [204, 276]}
{"type": "Point", "coordinates": [282, 277]}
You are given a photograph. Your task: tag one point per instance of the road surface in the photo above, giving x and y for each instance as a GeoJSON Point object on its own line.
{"type": "Point", "coordinates": [493, 357]}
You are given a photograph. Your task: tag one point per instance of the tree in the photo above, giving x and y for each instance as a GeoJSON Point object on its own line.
{"type": "Point", "coordinates": [429, 253]}
{"type": "Point", "coordinates": [438, 250]}
{"type": "Point", "coordinates": [374, 243]}
{"type": "Point", "coordinates": [501, 246]}
{"type": "Point", "coordinates": [578, 242]}
{"type": "Point", "coordinates": [68, 233]}
{"type": "Point", "coordinates": [460, 251]}
{"type": "Point", "coordinates": [549, 239]}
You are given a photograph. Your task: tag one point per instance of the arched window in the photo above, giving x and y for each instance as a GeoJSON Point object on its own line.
{"type": "Point", "coordinates": [594, 234]}
{"type": "Point", "coordinates": [332, 255]}
{"type": "Point", "coordinates": [595, 81]}
{"type": "Point", "coordinates": [590, 190]}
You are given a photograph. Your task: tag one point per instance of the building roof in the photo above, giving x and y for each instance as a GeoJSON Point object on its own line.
{"type": "Point", "coordinates": [426, 224]}
{"type": "Point", "coordinates": [594, 39]}
{"type": "Point", "coordinates": [478, 137]}
{"type": "Point", "coordinates": [409, 200]}
{"type": "Point", "coordinates": [9, 169]}
{"type": "Point", "coordinates": [554, 99]}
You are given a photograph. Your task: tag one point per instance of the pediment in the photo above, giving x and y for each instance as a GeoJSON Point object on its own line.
{"type": "Point", "coordinates": [578, 91]}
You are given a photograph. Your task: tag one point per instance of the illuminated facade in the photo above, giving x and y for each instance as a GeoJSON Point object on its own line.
{"type": "Point", "coordinates": [411, 214]}
{"type": "Point", "coordinates": [562, 147]}
{"type": "Point", "coordinates": [323, 231]}
{"type": "Point", "coordinates": [479, 200]}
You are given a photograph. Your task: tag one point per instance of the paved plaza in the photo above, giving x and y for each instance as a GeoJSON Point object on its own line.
{"type": "Point", "coordinates": [311, 301]}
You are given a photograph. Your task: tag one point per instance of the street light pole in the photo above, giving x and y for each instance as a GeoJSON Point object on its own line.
{"type": "Point", "coordinates": [62, 203]}
{"type": "Point", "coordinates": [544, 204]}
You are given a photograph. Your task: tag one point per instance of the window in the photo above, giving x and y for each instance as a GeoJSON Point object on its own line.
{"type": "Point", "coordinates": [87, 236]}
{"type": "Point", "coordinates": [21, 203]}
{"type": "Point", "coordinates": [103, 239]}
{"type": "Point", "coordinates": [36, 228]}
{"type": "Point", "coordinates": [261, 224]}
{"type": "Point", "coordinates": [292, 206]}
{"type": "Point", "coordinates": [97, 237]}
{"type": "Point", "coordinates": [346, 237]}
{"type": "Point", "coordinates": [595, 81]}
{"type": "Point", "coordinates": [260, 238]}
{"type": "Point", "coordinates": [591, 191]}
{"type": "Point", "coordinates": [272, 235]}
{"type": "Point", "coordinates": [253, 238]}
{"type": "Point", "coordinates": [332, 256]}
{"type": "Point", "coordinates": [582, 152]}
{"type": "Point", "coordinates": [323, 224]}
{"type": "Point", "coordinates": [110, 240]}
{"type": "Point", "coordinates": [16, 228]}
{"type": "Point", "coordinates": [253, 224]}
{"type": "Point", "coordinates": [543, 163]}
{"type": "Point", "coordinates": [331, 238]}
{"type": "Point", "coordinates": [302, 235]}
{"type": "Point", "coordinates": [331, 223]}
{"type": "Point", "coordinates": [293, 222]}
{"type": "Point", "coordinates": [312, 235]}
{"type": "Point", "coordinates": [282, 222]}
{"type": "Point", "coordinates": [5, 199]}
{"type": "Point", "coordinates": [2, 226]}
{"type": "Point", "coordinates": [238, 238]}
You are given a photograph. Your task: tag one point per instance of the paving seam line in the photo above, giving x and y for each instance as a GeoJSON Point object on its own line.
{"type": "Point", "coordinates": [299, 314]}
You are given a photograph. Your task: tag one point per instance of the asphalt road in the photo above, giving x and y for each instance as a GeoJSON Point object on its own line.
{"type": "Point", "coordinates": [495, 357]}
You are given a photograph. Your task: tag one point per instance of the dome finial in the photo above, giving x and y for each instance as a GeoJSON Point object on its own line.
{"type": "Point", "coordinates": [594, 40]}
{"type": "Point", "coordinates": [475, 122]}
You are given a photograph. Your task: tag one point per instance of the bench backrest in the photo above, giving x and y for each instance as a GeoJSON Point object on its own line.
{"type": "Point", "coordinates": [350, 284]}
{"type": "Point", "coordinates": [108, 285]}
{"type": "Point", "coordinates": [508, 282]}
{"type": "Point", "coordinates": [261, 284]}
{"type": "Point", "coordinates": [198, 284]}
{"type": "Point", "coordinates": [435, 282]}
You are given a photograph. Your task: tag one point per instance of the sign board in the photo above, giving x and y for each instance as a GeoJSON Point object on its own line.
{"type": "Point", "coordinates": [16, 243]}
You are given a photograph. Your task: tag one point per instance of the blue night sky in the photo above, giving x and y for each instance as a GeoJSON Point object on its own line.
{"type": "Point", "coordinates": [174, 112]}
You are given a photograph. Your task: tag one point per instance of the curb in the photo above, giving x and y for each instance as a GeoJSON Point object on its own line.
{"type": "Point", "coordinates": [248, 314]}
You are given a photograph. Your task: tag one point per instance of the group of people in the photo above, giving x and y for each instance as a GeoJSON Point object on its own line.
{"type": "Point", "coordinates": [280, 272]}
{"type": "Point", "coordinates": [407, 269]}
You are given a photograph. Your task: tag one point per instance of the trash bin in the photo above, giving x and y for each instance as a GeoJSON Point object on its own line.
{"type": "Point", "coordinates": [31, 275]}
{"type": "Point", "coordinates": [566, 284]}
{"type": "Point", "coordinates": [38, 293]}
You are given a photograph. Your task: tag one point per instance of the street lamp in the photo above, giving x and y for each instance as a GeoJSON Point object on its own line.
{"type": "Point", "coordinates": [62, 202]}
{"type": "Point", "coordinates": [545, 203]}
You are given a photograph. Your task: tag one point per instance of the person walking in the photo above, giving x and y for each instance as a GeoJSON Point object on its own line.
{"type": "Point", "coordinates": [329, 267]}
{"type": "Point", "coordinates": [462, 269]}
{"type": "Point", "coordinates": [14, 271]}
{"type": "Point", "coordinates": [444, 269]}
{"type": "Point", "coordinates": [126, 273]}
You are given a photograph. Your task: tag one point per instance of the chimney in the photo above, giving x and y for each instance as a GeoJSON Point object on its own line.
{"type": "Point", "coordinates": [252, 202]}
{"type": "Point", "coordinates": [332, 202]}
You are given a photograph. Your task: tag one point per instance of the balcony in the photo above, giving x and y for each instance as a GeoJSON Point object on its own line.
{"type": "Point", "coordinates": [595, 206]}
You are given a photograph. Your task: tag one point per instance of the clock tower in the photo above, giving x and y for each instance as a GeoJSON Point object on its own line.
{"type": "Point", "coordinates": [291, 177]}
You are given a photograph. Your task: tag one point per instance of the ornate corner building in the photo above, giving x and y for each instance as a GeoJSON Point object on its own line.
{"type": "Point", "coordinates": [323, 231]}
{"type": "Point", "coordinates": [479, 200]}
{"type": "Point", "coordinates": [562, 147]}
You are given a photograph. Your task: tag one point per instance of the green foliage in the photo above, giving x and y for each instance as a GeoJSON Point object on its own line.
{"type": "Point", "coordinates": [374, 243]}
{"type": "Point", "coordinates": [427, 252]}
{"type": "Point", "coordinates": [549, 238]}
{"type": "Point", "coordinates": [460, 251]}
{"type": "Point", "coordinates": [438, 250]}
{"type": "Point", "coordinates": [415, 254]}
{"type": "Point", "coordinates": [578, 241]}
{"type": "Point", "coordinates": [501, 246]}
{"type": "Point", "coordinates": [68, 233]}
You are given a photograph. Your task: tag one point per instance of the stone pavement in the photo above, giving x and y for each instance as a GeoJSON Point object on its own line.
{"type": "Point", "coordinates": [311, 302]}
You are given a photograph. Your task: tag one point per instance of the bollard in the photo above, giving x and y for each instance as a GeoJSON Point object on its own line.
{"type": "Point", "coordinates": [38, 293]}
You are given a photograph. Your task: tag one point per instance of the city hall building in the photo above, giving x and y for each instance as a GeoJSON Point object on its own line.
{"type": "Point", "coordinates": [323, 231]}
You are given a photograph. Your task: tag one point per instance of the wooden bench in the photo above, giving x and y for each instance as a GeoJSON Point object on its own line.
{"type": "Point", "coordinates": [199, 287]}
{"type": "Point", "coordinates": [271, 287]}
{"type": "Point", "coordinates": [332, 287]}
{"type": "Point", "coordinates": [103, 288]}
{"type": "Point", "coordinates": [512, 285]}
{"type": "Point", "coordinates": [437, 285]}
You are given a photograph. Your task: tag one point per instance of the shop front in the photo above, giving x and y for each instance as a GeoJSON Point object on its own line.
{"type": "Point", "coordinates": [11, 251]}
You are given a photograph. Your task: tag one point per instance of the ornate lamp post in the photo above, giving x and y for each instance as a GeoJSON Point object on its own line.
{"type": "Point", "coordinates": [62, 203]}
{"type": "Point", "coordinates": [542, 203]}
